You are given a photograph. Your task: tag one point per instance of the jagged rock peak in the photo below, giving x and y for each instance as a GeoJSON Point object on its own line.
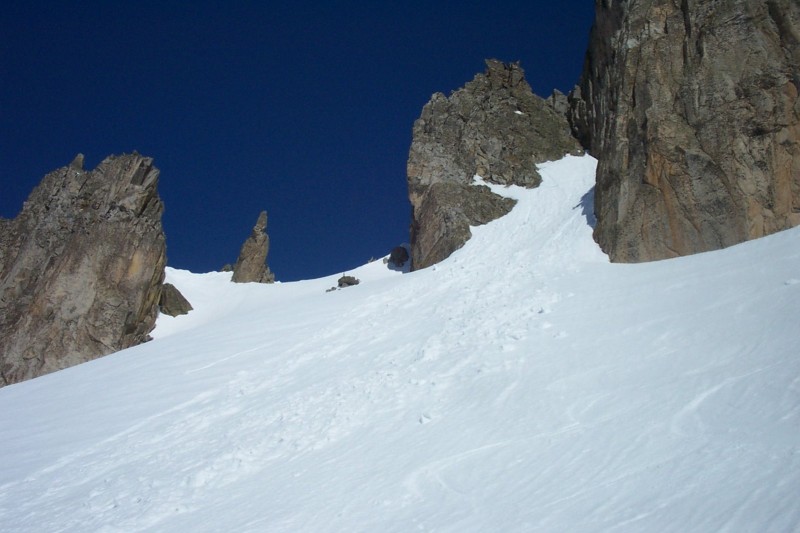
{"type": "Point", "coordinates": [692, 110]}
{"type": "Point", "coordinates": [77, 162]}
{"type": "Point", "coordinates": [251, 265]}
{"type": "Point", "coordinates": [494, 127]}
{"type": "Point", "coordinates": [81, 267]}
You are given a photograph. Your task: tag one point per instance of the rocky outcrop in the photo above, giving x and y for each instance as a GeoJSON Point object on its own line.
{"type": "Point", "coordinates": [172, 302]}
{"type": "Point", "coordinates": [692, 110]}
{"type": "Point", "coordinates": [494, 127]}
{"type": "Point", "coordinates": [251, 265]}
{"type": "Point", "coordinates": [81, 267]}
{"type": "Point", "coordinates": [443, 216]}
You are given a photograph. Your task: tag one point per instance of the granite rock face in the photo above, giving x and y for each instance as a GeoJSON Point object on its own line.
{"type": "Point", "coordinates": [251, 265]}
{"type": "Point", "coordinates": [692, 109]}
{"type": "Point", "coordinates": [494, 127]}
{"type": "Point", "coordinates": [81, 267]}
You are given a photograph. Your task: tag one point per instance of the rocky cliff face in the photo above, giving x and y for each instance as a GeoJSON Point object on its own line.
{"type": "Point", "coordinates": [494, 127]}
{"type": "Point", "coordinates": [692, 109]}
{"type": "Point", "coordinates": [81, 267]}
{"type": "Point", "coordinates": [251, 265]}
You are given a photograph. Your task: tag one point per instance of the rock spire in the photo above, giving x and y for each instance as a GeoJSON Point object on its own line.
{"type": "Point", "coordinates": [251, 265]}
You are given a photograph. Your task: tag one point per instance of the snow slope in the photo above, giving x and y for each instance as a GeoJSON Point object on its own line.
{"type": "Point", "coordinates": [524, 384]}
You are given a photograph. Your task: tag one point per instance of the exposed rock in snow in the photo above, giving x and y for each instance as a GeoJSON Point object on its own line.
{"type": "Point", "coordinates": [172, 302]}
{"type": "Point", "coordinates": [347, 281]}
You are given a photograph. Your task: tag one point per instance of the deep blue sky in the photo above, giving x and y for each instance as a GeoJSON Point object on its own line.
{"type": "Point", "coordinates": [304, 109]}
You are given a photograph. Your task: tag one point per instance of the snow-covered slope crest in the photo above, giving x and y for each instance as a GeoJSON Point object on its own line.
{"type": "Point", "coordinates": [524, 384]}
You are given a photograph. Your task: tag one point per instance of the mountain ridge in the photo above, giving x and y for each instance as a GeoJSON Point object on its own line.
{"type": "Point", "coordinates": [509, 387]}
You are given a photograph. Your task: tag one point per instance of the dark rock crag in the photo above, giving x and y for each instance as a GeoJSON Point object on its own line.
{"type": "Point", "coordinates": [692, 110]}
{"type": "Point", "coordinates": [494, 127]}
{"type": "Point", "coordinates": [81, 267]}
{"type": "Point", "coordinates": [251, 265]}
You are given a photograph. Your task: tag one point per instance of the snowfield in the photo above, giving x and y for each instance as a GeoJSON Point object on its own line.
{"type": "Point", "coordinates": [524, 384]}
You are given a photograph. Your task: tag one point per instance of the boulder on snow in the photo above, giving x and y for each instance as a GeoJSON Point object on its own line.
{"type": "Point", "coordinates": [172, 302]}
{"type": "Point", "coordinates": [348, 281]}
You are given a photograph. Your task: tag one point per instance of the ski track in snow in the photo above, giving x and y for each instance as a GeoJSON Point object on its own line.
{"type": "Point", "coordinates": [524, 384]}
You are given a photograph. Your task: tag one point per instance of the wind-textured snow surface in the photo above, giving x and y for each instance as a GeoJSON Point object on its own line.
{"type": "Point", "coordinates": [524, 384]}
